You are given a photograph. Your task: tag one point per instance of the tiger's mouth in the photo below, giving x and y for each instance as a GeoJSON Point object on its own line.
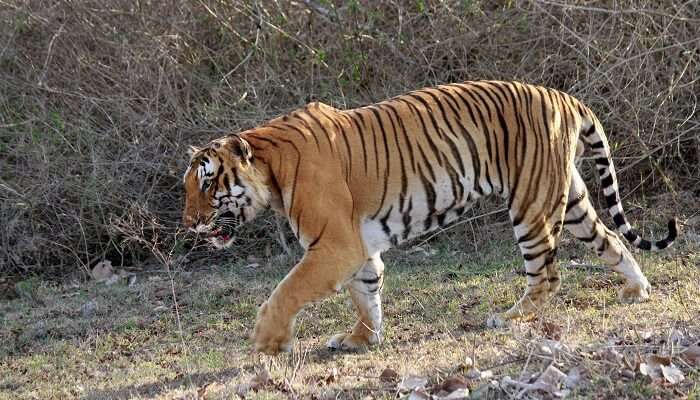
{"type": "Point", "coordinates": [222, 234]}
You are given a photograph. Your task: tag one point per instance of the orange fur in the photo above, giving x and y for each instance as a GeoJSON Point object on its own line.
{"type": "Point", "coordinates": [353, 183]}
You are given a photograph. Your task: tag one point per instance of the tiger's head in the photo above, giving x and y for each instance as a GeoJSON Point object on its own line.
{"type": "Point", "coordinates": [223, 189]}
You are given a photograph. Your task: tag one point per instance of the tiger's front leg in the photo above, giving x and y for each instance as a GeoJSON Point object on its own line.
{"type": "Point", "coordinates": [323, 271]}
{"type": "Point", "coordinates": [365, 290]}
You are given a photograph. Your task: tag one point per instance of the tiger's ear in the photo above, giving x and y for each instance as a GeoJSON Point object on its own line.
{"type": "Point", "coordinates": [192, 150]}
{"type": "Point", "coordinates": [242, 149]}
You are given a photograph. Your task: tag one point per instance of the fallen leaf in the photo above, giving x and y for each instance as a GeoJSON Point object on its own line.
{"type": "Point", "coordinates": [452, 383]}
{"type": "Point", "coordinates": [649, 370]}
{"type": "Point", "coordinates": [657, 360]}
{"type": "Point", "coordinates": [672, 374]}
{"type": "Point", "coordinates": [332, 377]}
{"type": "Point", "coordinates": [389, 375]}
{"type": "Point", "coordinates": [552, 331]}
{"type": "Point", "coordinates": [201, 392]}
{"type": "Point", "coordinates": [657, 367]}
{"type": "Point", "coordinates": [692, 355]}
{"type": "Point", "coordinates": [550, 379]}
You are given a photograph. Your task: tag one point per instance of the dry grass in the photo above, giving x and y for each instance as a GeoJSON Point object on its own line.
{"type": "Point", "coordinates": [133, 343]}
{"type": "Point", "coordinates": [100, 98]}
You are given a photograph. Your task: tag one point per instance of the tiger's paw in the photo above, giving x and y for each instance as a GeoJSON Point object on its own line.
{"type": "Point", "coordinates": [351, 342]}
{"type": "Point", "coordinates": [272, 336]}
{"type": "Point", "coordinates": [635, 292]}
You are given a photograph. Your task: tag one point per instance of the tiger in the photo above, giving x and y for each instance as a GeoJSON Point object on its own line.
{"type": "Point", "coordinates": [353, 183]}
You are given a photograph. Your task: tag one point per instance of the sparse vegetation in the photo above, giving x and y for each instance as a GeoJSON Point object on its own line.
{"type": "Point", "coordinates": [436, 303]}
{"type": "Point", "coordinates": [101, 99]}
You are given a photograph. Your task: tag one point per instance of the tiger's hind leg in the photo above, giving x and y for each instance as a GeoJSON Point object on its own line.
{"type": "Point", "coordinates": [365, 290]}
{"type": "Point", "coordinates": [583, 222]}
{"type": "Point", "coordinates": [538, 243]}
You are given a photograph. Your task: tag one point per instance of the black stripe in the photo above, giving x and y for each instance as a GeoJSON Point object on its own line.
{"type": "Point", "coordinates": [575, 202]}
{"type": "Point", "coordinates": [619, 219]}
{"type": "Point", "coordinates": [315, 241]}
{"type": "Point", "coordinates": [405, 135]}
{"type": "Point", "coordinates": [644, 245]}
{"type": "Point", "coordinates": [473, 150]}
{"type": "Point", "coordinates": [361, 133]}
{"type": "Point", "coordinates": [402, 171]}
{"type": "Point", "coordinates": [602, 161]}
{"type": "Point", "coordinates": [597, 145]}
{"type": "Point", "coordinates": [387, 170]}
{"type": "Point", "coordinates": [575, 221]}
{"type": "Point", "coordinates": [589, 238]}
{"type": "Point", "coordinates": [373, 281]}
{"type": "Point", "coordinates": [323, 128]}
{"type": "Point", "coordinates": [453, 147]}
{"type": "Point", "coordinates": [383, 221]}
{"type": "Point", "coordinates": [407, 219]}
{"type": "Point", "coordinates": [530, 257]}
{"type": "Point", "coordinates": [433, 147]}
{"type": "Point", "coordinates": [607, 181]}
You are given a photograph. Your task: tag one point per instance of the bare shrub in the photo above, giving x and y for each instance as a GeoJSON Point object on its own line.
{"type": "Point", "coordinates": [99, 99]}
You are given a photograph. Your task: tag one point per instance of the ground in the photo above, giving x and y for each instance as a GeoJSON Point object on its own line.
{"type": "Point", "coordinates": [94, 341]}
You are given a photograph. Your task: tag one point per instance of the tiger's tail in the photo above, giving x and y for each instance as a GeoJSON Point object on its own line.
{"type": "Point", "coordinates": [595, 138]}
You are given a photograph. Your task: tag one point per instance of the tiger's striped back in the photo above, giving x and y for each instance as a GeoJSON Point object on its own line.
{"type": "Point", "coordinates": [421, 159]}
